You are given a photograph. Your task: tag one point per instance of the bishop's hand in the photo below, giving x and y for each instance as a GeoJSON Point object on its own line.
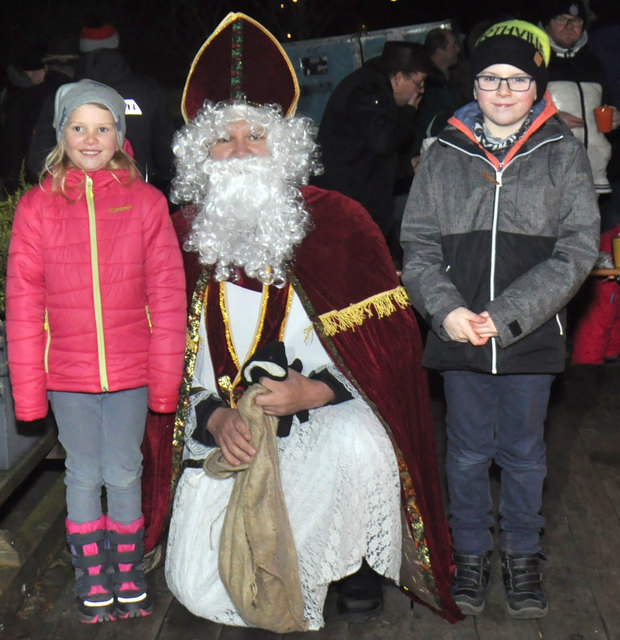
{"type": "Point", "coordinates": [232, 436]}
{"type": "Point", "coordinates": [294, 394]}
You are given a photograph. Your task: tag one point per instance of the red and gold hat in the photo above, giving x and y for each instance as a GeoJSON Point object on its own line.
{"type": "Point", "coordinates": [240, 61]}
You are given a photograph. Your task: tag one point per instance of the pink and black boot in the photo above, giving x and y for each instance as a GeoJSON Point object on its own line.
{"type": "Point", "coordinates": [126, 553]}
{"type": "Point", "coordinates": [94, 597]}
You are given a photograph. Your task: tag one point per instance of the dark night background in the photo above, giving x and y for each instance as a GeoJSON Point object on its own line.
{"type": "Point", "coordinates": [161, 37]}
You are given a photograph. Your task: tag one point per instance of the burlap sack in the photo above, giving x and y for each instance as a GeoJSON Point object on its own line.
{"type": "Point", "coordinates": [257, 556]}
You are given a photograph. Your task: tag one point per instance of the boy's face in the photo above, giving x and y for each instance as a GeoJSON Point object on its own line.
{"type": "Point", "coordinates": [90, 137]}
{"type": "Point", "coordinates": [504, 110]}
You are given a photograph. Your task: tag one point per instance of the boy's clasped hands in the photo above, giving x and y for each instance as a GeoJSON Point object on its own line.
{"type": "Point", "coordinates": [463, 325]}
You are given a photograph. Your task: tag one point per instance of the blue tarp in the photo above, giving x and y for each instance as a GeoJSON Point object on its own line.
{"type": "Point", "coordinates": [321, 63]}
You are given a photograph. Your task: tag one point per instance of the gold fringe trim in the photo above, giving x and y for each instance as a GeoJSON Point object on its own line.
{"type": "Point", "coordinates": [381, 305]}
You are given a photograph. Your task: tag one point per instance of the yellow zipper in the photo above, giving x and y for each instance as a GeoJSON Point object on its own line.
{"type": "Point", "coordinates": [148, 317]}
{"type": "Point", "coordinates": [48, 340]}
{"type": "Point", "coordinates": [94, 260]}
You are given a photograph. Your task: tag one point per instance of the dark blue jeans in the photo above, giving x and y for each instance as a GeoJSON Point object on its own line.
{"type": "Point", "coordinates": [496, 418]}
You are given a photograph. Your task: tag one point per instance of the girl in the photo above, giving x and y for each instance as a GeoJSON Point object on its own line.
{"type": "Point", "coordinates": [499, 232]}
{"type": "Point", "coordinates": [96, 323]}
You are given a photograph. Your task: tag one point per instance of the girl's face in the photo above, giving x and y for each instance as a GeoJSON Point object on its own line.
{"type": "Point", "coordinates": [504, 110]}
{"type": "Point", "coordinates": [90, 137]}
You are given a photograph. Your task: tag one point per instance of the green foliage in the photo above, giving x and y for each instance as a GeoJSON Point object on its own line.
{"type": "Point", "coordinates": [8, 203]}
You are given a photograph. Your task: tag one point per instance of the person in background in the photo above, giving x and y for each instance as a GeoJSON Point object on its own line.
{"type": "Point", "coordinates": [95, 322]}
{"type": "Point", "coordinates": [442, 96]}
{"type": "Point", "coordinates": [577, 82]}
{"type": "Point", "coordinates": [149, 124]}
{"type": "Point", "coordinates": [21, 104]}
{"type": "Point", "coordinates": [604, 44]}
{"type": "Point", "coordinates": [368, 121]}
{"type": "Point", "coordinates": [500, 231]}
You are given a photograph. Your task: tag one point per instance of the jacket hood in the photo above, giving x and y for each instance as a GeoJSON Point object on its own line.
{"type": "Point", "coordinates": [469, 113]}
{"type": "Point", "coordinates": [464, 118]}
{"type": "Point", "coordinates": [103, 65]}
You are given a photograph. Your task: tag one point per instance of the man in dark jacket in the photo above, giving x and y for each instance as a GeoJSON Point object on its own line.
{"type": "Point", "coordinates": [21, 104]}
{"type": "Point", "coordinates": [442, 96]}
{"type": "Point", "coordinates": [149, 125]}
{"type": "Point", "coordinates": [368, 119]}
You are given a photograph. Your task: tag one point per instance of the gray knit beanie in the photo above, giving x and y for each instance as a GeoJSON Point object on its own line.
{"type": "Point", "coordinates": [73, 95]}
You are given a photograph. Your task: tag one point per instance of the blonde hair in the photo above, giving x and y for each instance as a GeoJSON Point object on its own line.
{"type": "Point", "coordinates": [57, 164]}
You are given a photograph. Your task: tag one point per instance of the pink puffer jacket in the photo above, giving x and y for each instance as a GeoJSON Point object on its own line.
{"type": "Point", "coordinates": [95, 293]}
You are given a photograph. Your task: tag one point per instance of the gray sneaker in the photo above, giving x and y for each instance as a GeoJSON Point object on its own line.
{"type": "Point", "coordinates": [470, 582]}
{"type": "Point", "coordinates": [523, 582]}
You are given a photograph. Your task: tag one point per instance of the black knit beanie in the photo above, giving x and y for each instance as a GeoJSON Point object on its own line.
{"type": "Point", "coordinates": [552, 8]}
{"type": "Point", "coordinates": [518, 43]}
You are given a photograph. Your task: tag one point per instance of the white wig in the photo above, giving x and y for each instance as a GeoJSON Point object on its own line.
{"type": "Point", "coordinates": [251, 212]}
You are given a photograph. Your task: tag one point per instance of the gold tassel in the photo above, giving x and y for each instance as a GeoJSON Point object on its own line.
{"type": "Point", "coordinates": [381, 305]}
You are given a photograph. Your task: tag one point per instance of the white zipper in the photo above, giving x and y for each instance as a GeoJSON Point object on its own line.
{"type": "Point", "coordinates": [498, 186]}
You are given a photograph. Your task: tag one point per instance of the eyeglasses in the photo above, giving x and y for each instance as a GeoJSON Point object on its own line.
{"type": "Point", "coordinates": [493, 83]}
{"type": "Point", "coordinates": [418, 83]}
{"type": "Point", "coordinates": [563, 21]}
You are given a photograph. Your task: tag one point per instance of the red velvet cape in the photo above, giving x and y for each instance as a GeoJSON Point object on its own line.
{"type": "Point", "coordinates": [342, 261]}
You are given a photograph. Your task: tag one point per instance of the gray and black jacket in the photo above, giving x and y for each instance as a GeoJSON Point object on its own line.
{"type": "Point", "coordinates": [515, 238]}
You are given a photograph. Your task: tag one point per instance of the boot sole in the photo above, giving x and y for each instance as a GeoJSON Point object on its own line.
{"type": "Point", "coordinates": [134, 613]}
{"type": "Point", "coordinates": [94, 614]}
{"type": "Point", "coordinates": [360, 615]}
{"type": "Point", "coordinates": [96, 618]}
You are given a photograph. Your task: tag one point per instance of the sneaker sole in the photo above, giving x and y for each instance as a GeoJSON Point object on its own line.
{"type": "Point", "coordinates": [527, 613]}
{"type": "Point", "coordinates": [468, 609]}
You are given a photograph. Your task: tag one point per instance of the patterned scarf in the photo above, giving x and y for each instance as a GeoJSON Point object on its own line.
{"type": "Point", "coordinates": [499, 147]}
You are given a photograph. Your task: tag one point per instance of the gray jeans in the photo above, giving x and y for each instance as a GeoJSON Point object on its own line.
{"type": "Point", "coordinates": [101, 434]}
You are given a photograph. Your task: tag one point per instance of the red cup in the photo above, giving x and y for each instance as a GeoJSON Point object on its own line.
{"type": "Point", "coordinates": [603, 115]}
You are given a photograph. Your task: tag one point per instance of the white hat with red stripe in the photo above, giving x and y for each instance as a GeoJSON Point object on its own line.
{"type": "Point", "coordinates": [103, 37]}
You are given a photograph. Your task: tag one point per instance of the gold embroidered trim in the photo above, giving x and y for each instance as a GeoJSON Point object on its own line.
{"type": "Point", "coordinates": [259, 328]}
{"type": "Point", "coordinates": [381, 305]}
{"type": "Point", "coordinates": [191, 351]}
{"type": "Point", "coordinates": [289, 302]}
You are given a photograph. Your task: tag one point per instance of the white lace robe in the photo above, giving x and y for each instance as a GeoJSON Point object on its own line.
{"type": "Point", "coordinates": [339, 476]}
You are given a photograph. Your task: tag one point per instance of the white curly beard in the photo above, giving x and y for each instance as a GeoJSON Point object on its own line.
{"type": "Point", "coordinates": [251, 217]}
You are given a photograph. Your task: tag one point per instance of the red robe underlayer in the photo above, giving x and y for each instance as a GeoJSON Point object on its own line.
{"type": "Point", "coordinates": [597, 331]}
{"type": "Point", "coordinates": [342, 261]}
